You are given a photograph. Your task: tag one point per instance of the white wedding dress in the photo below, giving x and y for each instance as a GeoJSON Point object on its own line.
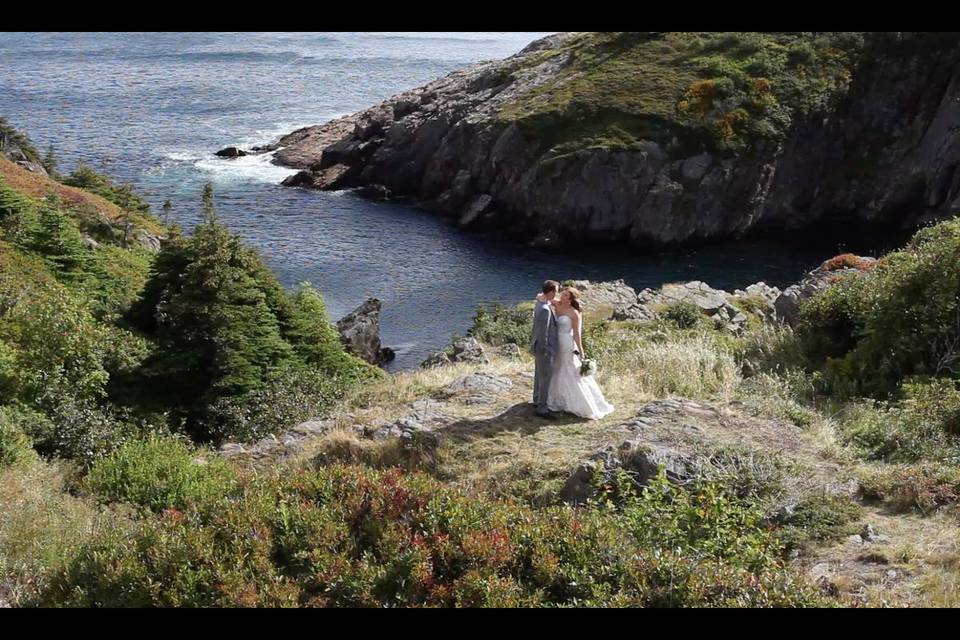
{"type": "Point", "coordinates": [569, 391]}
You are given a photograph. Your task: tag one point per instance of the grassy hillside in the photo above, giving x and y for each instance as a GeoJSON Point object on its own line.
{"type": "Point", "coordinates": [722, 89]}
{"type": "Point", "coordinates": [118, 368]}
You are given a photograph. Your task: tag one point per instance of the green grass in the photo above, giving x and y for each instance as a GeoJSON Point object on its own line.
{"type": "Point", "coordinates": [159, 473]}
{"type": "Point", "coordinates": [720, 89]}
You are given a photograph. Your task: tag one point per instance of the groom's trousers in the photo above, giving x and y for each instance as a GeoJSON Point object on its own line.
{"type": "Point", "coordinates": [542, 370]}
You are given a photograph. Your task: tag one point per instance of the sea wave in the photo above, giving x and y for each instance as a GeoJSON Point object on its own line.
{"type": "Point", "coordinates": [255, 168]}
{"type": "Point", "coordinates": [251, 168]}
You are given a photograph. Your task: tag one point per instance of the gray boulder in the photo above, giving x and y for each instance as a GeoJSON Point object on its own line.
{"type": "Point", "coordinates": [438, 359]}
{"type": "Point", "coordinates": [360, 332]}
{"type": "Point", "coordinates": [708, 299]}
{"type": "Point", "coordinates": [634, 311]}
{"type": "Point", "coordinates": [480, 388]}
{"type": "Point", "coordinates": [468, 350]}
{"type": "Point", "coordinates": [616, 294]}
{"type": "Point", "coordinates": [640, 460]}
{"type": "Point", "coordinates": [508, 351]}
{"type": "Point", "coordinates": [787, 304]}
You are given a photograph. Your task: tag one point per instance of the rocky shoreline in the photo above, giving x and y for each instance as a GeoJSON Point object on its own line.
{"type": "Point", "coordinates": [885, 154]}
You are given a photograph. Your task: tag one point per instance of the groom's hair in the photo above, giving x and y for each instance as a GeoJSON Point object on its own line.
{"type": "Point", "coordinates": [551, 286]}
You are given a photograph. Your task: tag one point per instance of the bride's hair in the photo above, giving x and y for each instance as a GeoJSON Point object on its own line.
{"type": "Point", "coordinates": [574, 298]}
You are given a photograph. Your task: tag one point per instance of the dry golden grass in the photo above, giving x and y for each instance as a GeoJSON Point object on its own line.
{"type": "Point", "coordinates": [635, 367]}
{"type": "Point", "coordinates": [38, 186]}
{"type": "Point", "coordinates": [40, 526]}
{"type": "Point", "coordinates": [346, 446]}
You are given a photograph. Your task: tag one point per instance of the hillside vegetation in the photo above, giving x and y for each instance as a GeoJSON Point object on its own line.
{"type": "Point", "coordinates": [616, 89]}
{"type": "Point", "coordinates": [818, 463]}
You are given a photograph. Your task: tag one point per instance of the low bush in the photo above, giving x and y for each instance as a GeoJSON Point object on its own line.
{"type": "Point", "coordinates": [15, 445]}
{"type": "Point", "coordinates": [832, 322]}
{"type": "Point", "coordinates": [350, 536]}
{"type": "Point", "coordinates": [88, 179]}
{"type": "Point", "coordinates": [872, 329]}
{"type": "Point", "coordinates": [819, 518]}
{"type": "Point", "coordinates": [159, 473]}
{"type": "Point", "coordinates": [848, 261]}
{"type": "Point", "coordinates": [890, 432]}
{"type": "Point", "coordinates": [924, 487]}
{"type": "Point", "coordinates": [500, 325]}
{"type": "Point", "coordinates": [77, 430]}
{"type": "Point", "coordinates": [684, 315]}
{"type": "Point", "coordinates": [281, 404]}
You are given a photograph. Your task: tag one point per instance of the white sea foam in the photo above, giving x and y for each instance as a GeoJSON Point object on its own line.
{"type": "Point", "coordinates": [255, 168]}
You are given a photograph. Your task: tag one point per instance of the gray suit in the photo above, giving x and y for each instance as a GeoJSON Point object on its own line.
{"type": "Point", "coordinates": [544, 347]}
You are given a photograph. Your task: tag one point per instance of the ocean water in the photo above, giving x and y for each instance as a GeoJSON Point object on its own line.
{"type": "Point", "coordinates": [151, 108]}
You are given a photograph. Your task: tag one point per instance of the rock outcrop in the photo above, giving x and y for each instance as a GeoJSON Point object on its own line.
{"type": "Point", "coordinates": [16, 155]}
{"type": "Point", "coordinates": [722, 307]}
{"type": "Point", "coordinates": [467, 350]}
{"type": "Point", "coordinates": [231, 152]}
{"type": "Point", "coordinates": [693, 441]}
{"type": "Point", "coordinates": [787, 304]}
{"type": "Point", "coordinates": [360, 333]}
{"type": "Point", "coordinates": [887, 152]}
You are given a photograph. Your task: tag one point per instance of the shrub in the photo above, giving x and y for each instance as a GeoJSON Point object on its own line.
{"type": "Point", "coordinates": [936, 400]}
{"type": "Point", "coordinates": [924, 487]}
{"type": "Point", "coordinates": [684, 315]}
{"type": "Point", "coordinates": [349, 536]}
{"type": "Point", "coordinates": [77, 430]}
{"type": "Point", "coordinates": [819, 518]}
{"type": "Point", "coordinates": [88, 179]}
{"type": "Point", "coordinates": [705, 521]}
{"type": "Point", "coordinates": [316, 341]}
{"type": "Point", "coordinates": [159, 473]}
{"type": "Point", "coordinates": [228, 335]}
{"type": "Point", "coordinates": [282, 403]}
{"type": "Point", "coordinates": [896, 433]}
{"type": "Point", "coordinates": [848, 261]}
{"type": "Point", "coordinates": [900, 318]}
{"type": "Point", "coordinates": [11, 137]}
{"type": "Point", "coordinates": [57, 345]}
{"type": "Point", "coordinates": [15, 445]}
{"type": "Point", "coordinates": [500, 325]}
{"type": "Point", "coordinates": [832, 322]}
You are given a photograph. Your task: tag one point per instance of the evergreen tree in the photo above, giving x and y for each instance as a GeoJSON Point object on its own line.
{"type": "Point", "coordinates": [17, 216]}
{"type": "Point", "coordinates": [217, 333]}
{"type": "Point", "coordinates": [60, 243]}
{"type": "Point", "coordinates": [50, 161]}
{"type": "Point", "coordinates": [209, 211]}
{"type": "Point", "coordinates": [167, 209]}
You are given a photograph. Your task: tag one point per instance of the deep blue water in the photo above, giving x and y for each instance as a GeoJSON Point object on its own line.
{"type": "Point", "coordinates": [152, 108]}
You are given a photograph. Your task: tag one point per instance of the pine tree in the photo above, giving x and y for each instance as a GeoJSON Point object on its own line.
{"type": "Point", "coordinates": [209, 211]}
{"type": "Point", "coordinates": [167, 209]}
{"type": "Point", "coordinates": [217, 332]}
{"type": "Point", "coordinates": [50, 161]}
{"type": "Point", "coordinates": [60, 243]}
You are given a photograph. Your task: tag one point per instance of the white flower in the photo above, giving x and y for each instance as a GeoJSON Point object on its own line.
{"type": "Point", "coordinates": [588, 367]}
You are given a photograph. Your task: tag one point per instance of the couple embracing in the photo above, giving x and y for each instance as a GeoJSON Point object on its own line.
{"type": "Point", "coordinates": [558, 384]}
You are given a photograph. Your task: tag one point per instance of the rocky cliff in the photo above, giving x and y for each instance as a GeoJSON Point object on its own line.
{"type": "Point", "coordinates": [664, 138]}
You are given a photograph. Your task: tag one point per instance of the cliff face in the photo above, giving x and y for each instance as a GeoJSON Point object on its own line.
{"type": "Point", "coordinates": [662, 138]}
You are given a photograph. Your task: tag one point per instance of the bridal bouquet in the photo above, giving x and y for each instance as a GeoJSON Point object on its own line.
{"type": "Point", "coordinates": [588, 367]}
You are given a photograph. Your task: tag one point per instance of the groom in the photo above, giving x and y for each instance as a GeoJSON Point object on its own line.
{"type": "Point", "coordinates": [544, 345]}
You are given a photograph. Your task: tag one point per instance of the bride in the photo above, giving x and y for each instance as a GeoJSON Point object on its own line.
{"type": "Point", "coordinates": [569, 391]}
